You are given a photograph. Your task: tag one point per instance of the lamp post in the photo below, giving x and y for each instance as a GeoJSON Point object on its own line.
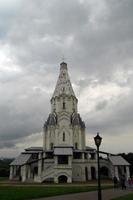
{"type": "Point", "coordinates": [98, 141]}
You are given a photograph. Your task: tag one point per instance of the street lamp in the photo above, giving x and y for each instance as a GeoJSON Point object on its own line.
{"type": "Point", "coordinates": [98, 141]}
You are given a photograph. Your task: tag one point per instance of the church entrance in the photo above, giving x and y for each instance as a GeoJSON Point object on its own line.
{"type": "Point", "coordinates": [35, 171]}
{"type": "Point", "coordinates": [62, 179]}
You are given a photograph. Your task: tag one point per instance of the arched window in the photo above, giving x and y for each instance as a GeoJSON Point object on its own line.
{"type": "Point", "coordinates": [63, 137]}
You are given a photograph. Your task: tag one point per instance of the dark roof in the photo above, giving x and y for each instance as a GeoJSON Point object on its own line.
{"type": "Point", "coordinates": [118, 161]}
{"type": "Point", "coordinates": [49, 151]}
{"type": "Point", "coordinates": [78, 150]}
{"type": "Point", "coordinates": [21, 159]}
{"type": "Point", "coordinates": [34, 149]}
{"type": "Point", "coordinates": [90, 148]}
{"type": "Point", "coordinates": [63, 146]}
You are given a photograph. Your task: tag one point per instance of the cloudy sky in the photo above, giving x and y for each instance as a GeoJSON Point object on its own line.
{"type": "Point", "coordinates": [96, 38]}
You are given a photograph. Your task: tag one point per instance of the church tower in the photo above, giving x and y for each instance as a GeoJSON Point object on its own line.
{"type": "Point", "coordinates": [64, 126]}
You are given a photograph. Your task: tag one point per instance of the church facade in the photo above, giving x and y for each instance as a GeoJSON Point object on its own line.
{"type": "Point", "coordinates": [64, 156]}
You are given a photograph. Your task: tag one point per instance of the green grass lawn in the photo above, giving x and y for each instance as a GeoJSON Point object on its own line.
{"type": "Point", "coordinates": [28, 192]}
{"type": "Point", "coordinates": [126, 197]}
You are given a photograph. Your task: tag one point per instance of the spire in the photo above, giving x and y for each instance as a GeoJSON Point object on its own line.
{"type": "Point", "coordinates": [63, 85]}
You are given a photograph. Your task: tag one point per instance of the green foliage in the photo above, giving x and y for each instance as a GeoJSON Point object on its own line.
{"type": "Point", "coordinates": [4, 167]}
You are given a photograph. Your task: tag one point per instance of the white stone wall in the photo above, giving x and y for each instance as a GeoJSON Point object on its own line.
{"type": "Point", "coordinates": [24, 173]}
{"type": "Point", "coordinates": [70, 104]}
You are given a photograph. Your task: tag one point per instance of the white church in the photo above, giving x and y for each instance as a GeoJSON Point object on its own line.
{"type": "Point", "coordinates": [64, 156]}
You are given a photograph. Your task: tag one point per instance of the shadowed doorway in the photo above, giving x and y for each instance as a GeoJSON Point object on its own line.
{"type": "Point", "coordinates": [62, 179]}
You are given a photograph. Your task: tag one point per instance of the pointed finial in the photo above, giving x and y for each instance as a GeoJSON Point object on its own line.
{"type": "Point", "coordinates": [63, 65]}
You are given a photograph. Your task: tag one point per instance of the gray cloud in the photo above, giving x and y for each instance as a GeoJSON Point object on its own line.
{"type": "Point", "coordinates": [8, 11]}
{"type": "Point", "coordinates": [101, 105]}
{"type": "Point", "coordinates": [115, 119]}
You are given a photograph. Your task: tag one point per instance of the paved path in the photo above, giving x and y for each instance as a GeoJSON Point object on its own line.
{"type": "Point", "coordinates": [106, 195]}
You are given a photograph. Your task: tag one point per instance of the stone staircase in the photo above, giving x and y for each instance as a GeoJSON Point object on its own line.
{"type": "Point", "coordinates": [52, 171]}
{"type": "Point", "coordinates": [48, 173]}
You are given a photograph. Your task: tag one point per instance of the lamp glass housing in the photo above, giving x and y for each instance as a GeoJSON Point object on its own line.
{"type": "Point", "coordinates": [97, 140]}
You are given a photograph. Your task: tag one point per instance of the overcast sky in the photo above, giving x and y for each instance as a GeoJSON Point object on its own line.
{"type": "Point", "coordinates": [96, 38]}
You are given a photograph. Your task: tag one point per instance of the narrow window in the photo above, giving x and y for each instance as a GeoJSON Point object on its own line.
{"type": "Point", "coordinates": [63, 137]}
{"type": "Point", "coordinates": [76, 145]}
{"type": "Point", "coordinates": [64, 105]}
{"type": "Point", "coordinates": [51, 145]}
